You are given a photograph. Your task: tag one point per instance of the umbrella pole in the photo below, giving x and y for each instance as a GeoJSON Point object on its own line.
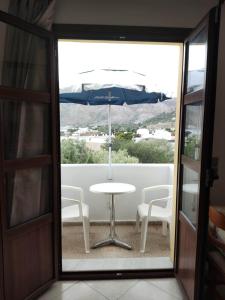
{"type": "Point", "coordinates": [110, 140]}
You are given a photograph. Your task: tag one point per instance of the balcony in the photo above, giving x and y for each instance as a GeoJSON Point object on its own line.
{"type": "Point", "coordinates": [157, 254]}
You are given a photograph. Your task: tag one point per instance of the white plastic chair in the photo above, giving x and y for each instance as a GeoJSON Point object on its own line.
{"type": "Point", "coordinates": [73, 208]}
{"type": "Point", "coordinates": [154, 210]}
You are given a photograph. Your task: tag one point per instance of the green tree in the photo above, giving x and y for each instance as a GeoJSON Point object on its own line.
{"type": "Point", "coordinates": [191, 148]}
{"type": "Point", "coordinates": [75, 152]}
{"type": "Point", "coordinates": [121, 140]}
{"type": "Point", "coordinates": [124, 151]}
{"type": "Point", "coordinates": [124, 136]}
{"type": "Point", "coordinates": [155, 151]}
{"type": "Point", "coordinates": [118, 144]}
{"type": "Point", "coordinates": [152, 151]}
{"type": "Point", "coordinates": [120, 156]}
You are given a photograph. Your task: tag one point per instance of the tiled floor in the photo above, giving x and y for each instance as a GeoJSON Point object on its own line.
{"type": "Point", "coordinates": [145, 289]}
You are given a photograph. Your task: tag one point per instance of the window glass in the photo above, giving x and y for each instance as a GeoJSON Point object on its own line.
{"type": "Point", "coordinates": [23, 59]}
{"type": "Point", "coordinates": [28, 194]}
{"type": "Point", "coordinates": [197, 62]}
{"type": "Point", "coordinates": [193, 130]}
{"type": "Point", "coordinates": [26, 129]}
{"type": "Point", "coordinates": [190, 194]}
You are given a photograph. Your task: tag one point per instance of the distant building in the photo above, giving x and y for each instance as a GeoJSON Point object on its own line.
{"type": "Point", "coordinates": [159, 134]}
{"type": "Point", "coordinates": [82, 130]}
{"type": "Point", "coordinates": [142, 132]}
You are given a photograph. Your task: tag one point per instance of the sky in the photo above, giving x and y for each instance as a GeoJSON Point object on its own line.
{"type": "Point", "coordinates": [159, 62]}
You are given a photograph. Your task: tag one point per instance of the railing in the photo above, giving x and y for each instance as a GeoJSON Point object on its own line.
{"type": "Point", "coordinates": [140, 175]}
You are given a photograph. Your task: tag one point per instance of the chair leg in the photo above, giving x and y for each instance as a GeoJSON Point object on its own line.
{"type": "Point", "coordinates": [137, 222]}
{"type": "Point", "coordinates": [86, 228]}
{"type": "Point", "coordinates": [164, 228]}
{"type": "Point", "coordinates": [144, 229]}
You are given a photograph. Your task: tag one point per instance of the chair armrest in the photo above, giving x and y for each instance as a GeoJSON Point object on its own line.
{"type": "Point", "coordinates": [70, 199]}
{"type": "Point", "coordinates": [156, 187]}
{"type": "Point", "coordinates": [75, 188]}
{"type": "Point", "coordinates": [158, 202]}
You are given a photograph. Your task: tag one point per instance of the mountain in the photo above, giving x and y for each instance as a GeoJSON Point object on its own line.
{"type": "Point", "coordinates": [82, 116]}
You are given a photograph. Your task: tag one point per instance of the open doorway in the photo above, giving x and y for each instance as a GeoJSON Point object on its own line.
{"type": "Point", "coordinates": [144, 145]}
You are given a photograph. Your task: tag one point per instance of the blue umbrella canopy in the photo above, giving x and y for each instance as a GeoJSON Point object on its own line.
{"type": "Point", "coordinates": [119, 96]}
{"type": "Point", "coordinates": [93, 87]}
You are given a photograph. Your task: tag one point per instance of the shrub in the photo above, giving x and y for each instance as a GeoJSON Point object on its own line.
{"type": "Point", "coordinates": [75, 152]}
{"type": "Point", "coordinates": [118, 157]}
{"type": "Point", "coordinates": [155, 151]}
{"type": "Point", "coordinates": [152, 151]}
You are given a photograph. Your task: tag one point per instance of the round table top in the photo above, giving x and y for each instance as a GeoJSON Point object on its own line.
{"type": "Point", "coordinates": [112, 188]}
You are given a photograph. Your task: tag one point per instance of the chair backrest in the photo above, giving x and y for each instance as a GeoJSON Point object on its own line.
{"type": "Point", "coordinates": [72, 195]}
{"type": "Point", "coordinates": [159, 188]}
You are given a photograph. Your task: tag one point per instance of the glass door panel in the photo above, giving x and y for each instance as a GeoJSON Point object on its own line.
{"type": "Point", "coordinates": [197, 62]}
{"type": "Point", "coordinates": [20, 185]}
{"type": "Point", "coordinates": [196, 152]}
{"type": "Point", "coordinates": [27, 129]}
{"type": "Point", "coordinates": [193, 130]}
{"type": "Point", "coordinates": [23, 59]}
{"type": "Point", "coordinates": [190, 193]}
{"type": "Point", "coordinates": [27, 157]}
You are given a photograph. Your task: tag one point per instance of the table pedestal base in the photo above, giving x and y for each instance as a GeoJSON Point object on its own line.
{"type": "Point", "coordinates": [112, 241]}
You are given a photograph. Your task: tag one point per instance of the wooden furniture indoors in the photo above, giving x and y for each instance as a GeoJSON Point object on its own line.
{"type": "Point", "coordinates": [216, 254]}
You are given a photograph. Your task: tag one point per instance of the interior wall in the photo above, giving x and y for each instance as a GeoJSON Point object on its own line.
{"type": "Point", "coordinates": [162, 13]}
{"type": "Point", "coordinates": [218, 190]}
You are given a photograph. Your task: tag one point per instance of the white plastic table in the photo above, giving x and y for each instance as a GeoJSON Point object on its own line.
{"type": "Point", "coordinates": [112, 188]}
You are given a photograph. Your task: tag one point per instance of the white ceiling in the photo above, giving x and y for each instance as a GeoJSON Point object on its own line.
{"type": "Point", "coordinates": [174, 13]}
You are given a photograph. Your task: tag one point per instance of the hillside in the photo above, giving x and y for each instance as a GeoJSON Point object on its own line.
{"type": "Point", "coordinates": [81, 115]}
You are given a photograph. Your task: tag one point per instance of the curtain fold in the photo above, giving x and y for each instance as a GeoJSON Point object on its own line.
{"type": "Point", "coordinates": [25, 66]}
{"type": "Point", "coordinates": [31, 10]}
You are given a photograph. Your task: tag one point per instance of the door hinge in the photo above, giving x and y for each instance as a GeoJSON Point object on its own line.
{"type": "Point", "coordinates": [208, 178]}
{"type": "Point", "coordinates": [217, 14]}
{"type": "Point", "coordinates": [212, 173]}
